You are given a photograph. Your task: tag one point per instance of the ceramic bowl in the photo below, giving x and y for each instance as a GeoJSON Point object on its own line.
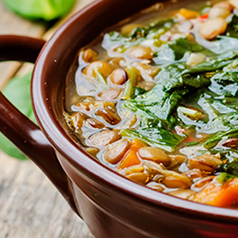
{"type": "Point", "coordinates": [111, 205]}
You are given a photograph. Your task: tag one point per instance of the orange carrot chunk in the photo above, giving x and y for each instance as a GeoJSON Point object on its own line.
{"type": "Point", "coordinates": [131, 158]}
{"type": "Point", "coordinates": [215, 194]}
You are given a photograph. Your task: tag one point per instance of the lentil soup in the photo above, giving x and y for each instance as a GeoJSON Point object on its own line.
{"type": "Point", "coordinates": [155, 99]}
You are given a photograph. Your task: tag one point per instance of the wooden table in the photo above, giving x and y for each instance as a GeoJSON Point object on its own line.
{"type": "Point", "coordinates": [30, 206]}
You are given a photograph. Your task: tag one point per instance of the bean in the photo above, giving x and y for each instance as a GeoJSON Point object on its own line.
{"type": "Point", "coordinates": [110, 94]}
{"type": "Point", "coordinates": [230, 142]}
{"type": "Point", "coordinates": [89, 55]}
{"type": "Point", "coordinates": [95, 123]}
{"type": "Point", "coordinates": [103, 67]}
{"type": "Point", "coordinates": [234, 3]}
{"type": "Point", "coordinates": [217, 11]}
{"type": "Point", "coordinates": [109, 114]}
{"type": "Point", "coordinates": [184, 26]}
{"type": "Point", "coordinates": [77, 120]}
{"type": "Point", "coordinates": [154, 154]}
{"type": "Point", "coordinates": [202, 182]}
{"type": "Point", "coordinates": [103, 138]}
{"type": "Point", "coordinates": [176, 160]}
{"type": "Point", "coordinates": [86, 105]}
{"type": "Point", "coordinates": [156, 186]}
{"type": "Point", "coordinates": [141, 52]}
{"type": "Point", "coordinates": [132, 169]}
{"type": "Point", "coordinates": [226, 5]}
{"type": "Point", "coordinates": [118, 76]}
{"type": "Point", "coordinates": [116, 151]}
{"type": "Point", "coordinates": [176, 180]}
{"type": "Point", "coordinates": [212, 28]}
{"type": "Point", "coordinates": [138, 177]}
{"type": "Point", "coordinates": [194, 173]}
{"type": "Point", "coordinates": [147, 85]}
{"type": "Point", "coordinates": [147, 71]}
{"type": "Point", "coordinates": [182, 193]}
{"type": "Point", "coordinates": [195, 58]}
{"type": "Point", "coordinates": [131, 122]}
{"type": "Point", "coordinates": [206, 162]}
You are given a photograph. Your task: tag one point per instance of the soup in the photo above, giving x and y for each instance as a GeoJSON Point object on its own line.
{"type": "Point", "coordinates": [156, 101]}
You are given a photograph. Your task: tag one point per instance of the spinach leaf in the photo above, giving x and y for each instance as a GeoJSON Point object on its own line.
{"type": "Point", "coordinates": [152, 31]}
{"type": "Point", "coordinates": [157, 103]}
{"type": "Point", "coordinates": [173, 83]}
{"type": "Point", "coordinates": [229, 167]}
{"type": "Point", "coordinates": [225, 83]}
{"type": "Point", "coordinates": [40, 9]}
{"type": "Point", "coordinates": [18, 92]}
{"type": "Point", "coordinates": [215, 63]}
{"type": "Point", "coordinates": [215, 139]}
{"type": "Point", "coordinates": [221, 127]}
{"type": "Point", "coordinates": [220, 107]}
{"type": "Point", "coordinates": [139, 91]}
{"type": "Point", "coordinates": [154, 133]}
{"type": "Point", "coordinates": [138, 32]}
{"type": "Point", "coordinates": [232, 27]}
{"type": "Point", "coordinates": [176, 51]}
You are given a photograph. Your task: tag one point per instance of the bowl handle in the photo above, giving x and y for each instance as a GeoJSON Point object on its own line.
{"type": "Point", "coordinates": [19, 129]}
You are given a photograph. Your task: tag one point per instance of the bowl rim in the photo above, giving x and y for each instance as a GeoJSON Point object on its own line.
{"type": "Point", "coordinates": [62, 142]}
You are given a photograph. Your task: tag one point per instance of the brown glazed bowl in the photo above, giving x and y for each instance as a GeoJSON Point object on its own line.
{"type": "Point", "coordinates": [111, 206]}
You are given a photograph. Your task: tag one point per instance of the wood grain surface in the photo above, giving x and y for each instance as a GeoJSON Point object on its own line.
{"type": "Point", "coordinates": [30, 206]}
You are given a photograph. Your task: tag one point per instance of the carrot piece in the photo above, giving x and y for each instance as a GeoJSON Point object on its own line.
{"type": "Point", "coordinates": [131, 158]}
{"type": "Point", "coordinates": [137, 144]}
{"type": "Point", "coordinates": [219, 195]}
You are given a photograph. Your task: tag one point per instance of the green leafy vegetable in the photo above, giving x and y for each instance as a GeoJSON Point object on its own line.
{"type": "Point", "coordinates": [156, 103]}
{"type": "Point", "coordinates": [223, 127]}
{"type": "Point", "coordinates": [176, 51]}
{"type": "Point", "coordinates": [40, 9]}
{"type": "Point", "coordinates": [139, 91]}
{"type": "Point", "coordinates": [123, 42]}
{"type": "Point", "coordinates": [232, 27]}
{"type": "Point", "coordinates": [226, 82]}
{"type": "Point", "coordinates": [18, 92]}
{"type": "Point", "coordinates": [231, 167]}
{"type": "Point", "coordinates": [153, 132]}
{"type": "Point", "coordinates": [215, 63]}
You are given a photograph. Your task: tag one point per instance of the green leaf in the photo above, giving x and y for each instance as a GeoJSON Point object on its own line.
{"type": "Point", "coordinates": [155, 132]}
{"type": "Point", "coordinates": [215, 63]}
{"type": "Point", "coordinates": [150, 32]}
{"type": "Point", "coordinates": [17, 91]}
{"type": "Point", "coordinates": [225, 83]}
{"type": "Point", "coordinates": [232, 27]}
{"type": "Point", "coordinates": [40, 9]}
{"type": "Point", "coordinates": [157, 103]}
{"type": "Point", "coordinates": [222, 127]}
{"type": "Point", "coordinates": [176, 51]}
